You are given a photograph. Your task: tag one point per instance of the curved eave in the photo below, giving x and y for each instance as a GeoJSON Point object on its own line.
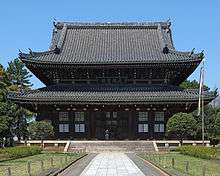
{"type": "Point", "coordinates": [29, 102]}
{"type": "Point", "coordinates": [82, 100]}
{"type": "Point", "coordinates": [33, 58]}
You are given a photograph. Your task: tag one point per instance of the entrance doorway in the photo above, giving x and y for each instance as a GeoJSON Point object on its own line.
{"type": "Point", "coordinates": [115, 122]}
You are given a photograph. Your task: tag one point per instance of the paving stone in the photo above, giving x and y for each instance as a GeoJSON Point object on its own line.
{"type": "Point", "coordinates": [111, 164]}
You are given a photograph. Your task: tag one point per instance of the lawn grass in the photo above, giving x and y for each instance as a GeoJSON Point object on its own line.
{"type": "Point", "coordinates": [196, 165]}
{"type": "Point", "coordinates": [19, 166]}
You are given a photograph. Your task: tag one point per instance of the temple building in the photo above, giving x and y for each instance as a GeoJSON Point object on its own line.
{"type": "Point", "coordinates": [120, 77]}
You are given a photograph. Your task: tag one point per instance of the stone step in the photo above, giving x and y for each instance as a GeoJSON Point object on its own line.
{"type": "Point", "coordinates": [104, 146]}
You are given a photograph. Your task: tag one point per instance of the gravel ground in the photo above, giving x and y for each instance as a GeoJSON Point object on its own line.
{"type": "Point", "coordinates": [144, 167]}
{"type": "Point", "coordinates": [77, 168]}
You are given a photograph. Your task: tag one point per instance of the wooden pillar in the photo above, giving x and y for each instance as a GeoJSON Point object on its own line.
{"type": "Point", "coordinates": [72, 124]}
{"type": "Point", "coordinates": [130, 126]}
{"type": "Point", "coordinates": [92, 124]}
{"type": "Point", "coordinates": [88, 124]}
{"type": "Point", "coordinates": [151, 124]}
{"type": "Point", "coordinates": [134, 124]}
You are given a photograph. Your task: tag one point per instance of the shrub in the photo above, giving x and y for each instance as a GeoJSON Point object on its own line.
{"type": "Point", "coordinates": [214, 141]}
{"type": "Point", "coordinates": [19, 152]}
{"type": "Point", "coordinates": [198, 151]}
{"type": "Point", "coordinates": [181, 125]}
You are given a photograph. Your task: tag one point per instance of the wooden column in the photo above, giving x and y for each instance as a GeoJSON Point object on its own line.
{"type": "Point", "coordinates": [72, 124]}
{"type": "Point", "coordinates": [134, 124]}
{"type": "Point", "coordinates": [92, 124]}
{"type": "Point", "coordinates": [151, 124]}
{"type": "Point", "coordinates": [130, 126]}
{"type": "Point", "coordinates": [88, 124]}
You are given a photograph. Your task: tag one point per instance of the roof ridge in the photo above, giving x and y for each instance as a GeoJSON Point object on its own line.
{"type": "Point", "coordinates": [60, 25]}
{"type": "Point", "coordinates": [61, 39]}
{"type": "Point", "coordinates": [163, 44]}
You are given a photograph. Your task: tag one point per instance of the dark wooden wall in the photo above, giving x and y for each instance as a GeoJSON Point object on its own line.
{"type": "Point", "coordinates": [51, 113]}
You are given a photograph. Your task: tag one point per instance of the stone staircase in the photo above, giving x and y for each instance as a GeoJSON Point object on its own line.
{"type": "Point", "coordinates": [111, 146]}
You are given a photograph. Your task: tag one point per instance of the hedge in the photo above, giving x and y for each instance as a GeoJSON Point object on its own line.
{"type": "Point", "coordinates": [19, 152]}
{"type": "Point", "coordinates": [198, 151]}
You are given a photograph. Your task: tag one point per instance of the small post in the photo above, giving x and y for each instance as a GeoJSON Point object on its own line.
{"type": "Point", "coordinates": [9, 171]}
{"type": "Point", "coordinates": [51, 162]}
{"type": "Point", "coordinates": [207, 144]}
{"type": "Point", "coordinates": [203, 170]}
{"type": "Point", "coordinates": [187, 167]}
{"type": "Point", "coordinates": [29, 168]}
{"type": "Point", "coordinates": [173, 162]}
{"type": "Point", "coordinates": [194, 143]}
{"type": "Point", "coordinates": [66, 159]}
{"type": "Point", "coordinates": [165, 161]}
{"type": "Point", "coordinates": [42, 165]}
{"type": "Point", "coordinates": [61, 161]}
{"type": "Point", "coordinates": [167, 145]}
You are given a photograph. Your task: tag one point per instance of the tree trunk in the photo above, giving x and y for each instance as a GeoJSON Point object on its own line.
{"type": "Point", "coordinates": [42, 143]}
{"type": "Point", "coordinates": [1, 142]}
{"type": "Point", "coordinates": [181, 141]}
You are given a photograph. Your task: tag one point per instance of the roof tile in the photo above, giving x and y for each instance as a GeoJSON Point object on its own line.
{"type": "Point", "coordinates": [103, 43]}
{"type": "Point", "coordinates": [67, 93]}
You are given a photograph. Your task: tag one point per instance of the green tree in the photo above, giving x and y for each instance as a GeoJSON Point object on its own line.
{"type": "Point", "coordinates": [19, 78]}
{"type": "Point", "coordinates": [192, 85]}
{"type": "Point", "coordinates": [18, 74]}
{"type": "Point", "coordinates": [217, 125]}
{"type": "Point", "coordinates": [5, 118]}
{"type": "Point", "coordinates": [12, 116]}
{"type": "Point", "coordinates": [215, 139]}
{"type": "Point", "coordinates": [4, 128]}
{"type": "Point", "coordinates": [7, 123]}
{"type": "Point", "coordinates": [211, 118]}
{"type": "Point", "coordinates": [182, 125]}
{"type": "Point", "coordinates": [41, 130]}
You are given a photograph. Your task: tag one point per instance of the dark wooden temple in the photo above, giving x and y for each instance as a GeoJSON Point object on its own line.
{"type": "Point", "coordinates": [121, 77]}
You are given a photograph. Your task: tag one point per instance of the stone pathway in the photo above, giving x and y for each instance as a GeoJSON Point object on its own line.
{"type": "Point", "coordinates": [112, 164]}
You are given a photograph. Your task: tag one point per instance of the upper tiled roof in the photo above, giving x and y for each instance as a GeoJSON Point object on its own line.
{"type": "Point", "coordinates": [109, 94]}
{"type": "Point", "coordinates": [109, 43]}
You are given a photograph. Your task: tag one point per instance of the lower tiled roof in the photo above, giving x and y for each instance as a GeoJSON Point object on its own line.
{"type": "Point", "coordinates": [109, 94]}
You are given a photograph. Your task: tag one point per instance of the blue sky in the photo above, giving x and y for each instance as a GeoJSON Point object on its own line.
{"type": "Point", "coordinates": [195, 24]}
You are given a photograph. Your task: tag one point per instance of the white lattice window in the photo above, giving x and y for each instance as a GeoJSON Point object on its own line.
{"type": "Point", "coordinates": [63, 128]}
{"type": "Point", "coordinates": [79, 128]}
{"type": "Point", "coordinates": [79, 116]}
{"type": "Point", "coordinates": [107, 114]}
{"type": "Point", "coordinates": [142, 116]}
{"type": "Point", "coordinates": [63, 116]}
{"type": "Point", "coordinates": [114, 114]}
{"type": "Point", "coordinates": [159, 116]}
{"type": "Point", "coordinates": [142, 128]}
{"type": "Point", "coordinates": [159, 128]}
